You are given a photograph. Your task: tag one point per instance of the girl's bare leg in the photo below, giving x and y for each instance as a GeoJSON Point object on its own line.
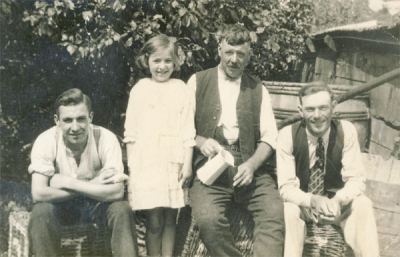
{"type": "Point", "coordinates": [168, 234]}
{"type": "Point", "coordinates": [154, 231]}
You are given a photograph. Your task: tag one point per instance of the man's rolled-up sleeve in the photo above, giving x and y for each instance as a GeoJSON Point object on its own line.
{"type": "Point", "coordinates": [43, 154]}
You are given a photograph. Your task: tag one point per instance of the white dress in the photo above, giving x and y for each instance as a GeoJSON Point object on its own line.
{"type": "Point", "coordinates": [160, 120]}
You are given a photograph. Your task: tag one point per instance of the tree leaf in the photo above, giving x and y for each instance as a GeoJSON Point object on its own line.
{"type": "Point", "coordinates": [87, 15]}
{"type": "Point", "coordinates": [71, 49]}
{"type": "Point", "coordinates": [129, 42]}
{"type": "Point", "coordinates": [182, 11]}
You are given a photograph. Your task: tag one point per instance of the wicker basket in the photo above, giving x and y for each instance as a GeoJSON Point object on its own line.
{"type": "Point", "coordinates": [18, 242]}
{"type": "Point", "coordinates": [325, 240]}
{"type": "Point", "coordinates": [76, 240]}
{"type": "Point", "coordinates": [321, 240]}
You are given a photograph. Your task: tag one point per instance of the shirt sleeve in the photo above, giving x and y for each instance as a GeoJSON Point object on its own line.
{"type": "Point", "coordinates": [353, 173]}
{"type": "Point", "coordinates": [268, 129]}
{"type": "Point", "coordinates": [187, 118]}
{"type": "Point", "coordinates": [43, 154]}
{"type": "Point", "coordinates": [288, 182]}
{"type": "Point", "coordinates": [132, 110]}
{"type": "Point", "coordinates": [192, 83]}
{"type": "Point", "coordinates": [110, 152]}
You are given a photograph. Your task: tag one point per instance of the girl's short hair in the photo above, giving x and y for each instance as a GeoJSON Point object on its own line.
{"type": "Point", "coordinates": [153, 45]}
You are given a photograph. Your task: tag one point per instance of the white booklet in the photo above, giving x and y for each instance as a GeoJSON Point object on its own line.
{"type": "Point", "coordinates": [215, 166]}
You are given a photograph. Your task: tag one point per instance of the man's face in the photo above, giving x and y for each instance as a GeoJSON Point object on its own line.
{"type": "Point", "coordinates": [74, 121]}
{"type": "Point", "coordinates": [234, 58]}
{"type": "Point", "coordinates": [317, 111]}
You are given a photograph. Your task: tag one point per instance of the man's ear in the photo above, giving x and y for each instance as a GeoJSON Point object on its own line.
{"type": "Point", "coordinates": [91, 115]}
{"type": "Point", "coordinates": [249, 55]}
{"type": "Point", "coordinates": [334, 103]}
{"type": "Point", "coordinates": [56, 120]}
{"type": "Point", "coordinates": [300, 110]}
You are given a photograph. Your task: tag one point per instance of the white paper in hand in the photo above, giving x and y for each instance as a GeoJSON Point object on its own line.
{"type": "Point", "coordinates": [214, 167]}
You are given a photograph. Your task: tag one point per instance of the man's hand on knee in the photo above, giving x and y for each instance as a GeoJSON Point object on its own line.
{"type": "Point", "coordinates": [210, 147]}
{"type": "Point", "coordinates": [244, 175]}
{"type": "Point", "coordinates": [326, 209]}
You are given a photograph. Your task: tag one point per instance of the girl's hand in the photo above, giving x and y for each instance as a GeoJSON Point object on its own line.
{"type": "Point", "coordinates": [185, 176]}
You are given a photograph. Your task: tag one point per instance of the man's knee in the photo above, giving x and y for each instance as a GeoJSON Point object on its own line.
{"type": "Point", "coordinates": [120, 211]}
{"type": "Point", "coordinates": [43, 224]}
{"type": "Point", "coordinates": [360, 207]}
{"type": "Point", "coordinates": [43, 213]}
{"type": "Point", "coordinates": [361, 202]}
{"type": "Point", "coordinates": [291, 211]}
{"type": "Point", "coordinates": [277, 210]}
{"type": "Point", "coordinates": [209, 218]}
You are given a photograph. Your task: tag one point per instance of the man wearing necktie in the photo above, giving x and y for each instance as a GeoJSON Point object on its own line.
{"type": "Point", "coordinates": [321, 176]}
{"type": "Point", "coordinates": [233, 111]}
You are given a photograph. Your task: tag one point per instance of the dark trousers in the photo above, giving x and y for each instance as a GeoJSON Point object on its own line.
{"type": "Point", "coordinates": [261, 198]}
{"type": "Point", "coordinates": [47, 218]}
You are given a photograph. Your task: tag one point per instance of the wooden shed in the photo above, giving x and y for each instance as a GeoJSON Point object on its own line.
{"type": "Point", "coordinates": [352, 55]}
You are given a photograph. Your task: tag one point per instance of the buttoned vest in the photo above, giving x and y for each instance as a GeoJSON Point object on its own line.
{"type": "Point", "coordinates": [248, 107]}
{"type": "Point", "coordinates": [333, 167]}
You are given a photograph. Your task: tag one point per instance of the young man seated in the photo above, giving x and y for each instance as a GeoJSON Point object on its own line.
{"type": "Point", "coordinates": [77, 176]}
{"type": "Point", "coordinates": [321, 176]}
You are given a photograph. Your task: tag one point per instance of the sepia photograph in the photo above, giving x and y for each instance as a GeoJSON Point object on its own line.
{"type": "Point", "coordinates": [200, 128]}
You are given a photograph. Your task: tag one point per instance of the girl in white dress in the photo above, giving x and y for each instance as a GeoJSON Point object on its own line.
{"type": "Point", "coordinates": [159, 134]}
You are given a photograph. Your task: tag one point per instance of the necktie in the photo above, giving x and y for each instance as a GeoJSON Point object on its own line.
{"type": "Point", "coordinates": [316, 181]}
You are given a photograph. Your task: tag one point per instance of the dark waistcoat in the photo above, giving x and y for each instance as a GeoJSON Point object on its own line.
{"type": "Point", "coordinates": [333, 177]}
{"type": "Point", "coordinates": [208, 110]}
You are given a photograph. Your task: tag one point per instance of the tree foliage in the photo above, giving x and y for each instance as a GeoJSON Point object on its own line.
{"type": "Point", "coordinates": [50, 46]}
{"type": "Point", "coordinates": [87, 28]}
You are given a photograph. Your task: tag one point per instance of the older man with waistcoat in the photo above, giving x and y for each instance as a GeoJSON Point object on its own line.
{"type": "Point", "coordinates": [321, 176]}
{"type": "Point", "coordinates": [233, 112]}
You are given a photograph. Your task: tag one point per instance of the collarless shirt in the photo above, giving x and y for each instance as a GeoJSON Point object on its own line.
{"type": "Point", "coordinates": [50, 155]}
{"type": "Point", "coordinates": [353, 174]}
{"type": "Point", "coordinates": [229, 92]}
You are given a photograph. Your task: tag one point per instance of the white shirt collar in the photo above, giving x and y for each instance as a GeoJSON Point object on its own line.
{"type": "Point", "coordinates": [314, 139]}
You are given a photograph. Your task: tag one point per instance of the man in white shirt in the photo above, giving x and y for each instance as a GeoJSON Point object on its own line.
{"type": "Point", "coordinates": [233, 111]}
{"type": "Point", "coordinates": [321, 176]}
{"type": "Point", "coordinates": [77, 176]}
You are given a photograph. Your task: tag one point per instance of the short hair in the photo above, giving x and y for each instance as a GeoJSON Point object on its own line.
{"type": "Point", "coordinates": [234, 34]}
{"type": "Point", "coordinates": [154, 44]}
{"type": "Point", "coordinates": [313, 88]}
{"type": "Point", "coordinates": [72, 97]}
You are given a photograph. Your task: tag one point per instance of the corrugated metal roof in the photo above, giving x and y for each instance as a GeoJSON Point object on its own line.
{"type": "Point", "coordinates": [358, 27]}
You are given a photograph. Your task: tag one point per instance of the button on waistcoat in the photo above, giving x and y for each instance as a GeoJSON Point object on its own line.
{"type": "Point", "coordinates": [333, 177]}
{"type": "Point", "coordinates": [208, 110]}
